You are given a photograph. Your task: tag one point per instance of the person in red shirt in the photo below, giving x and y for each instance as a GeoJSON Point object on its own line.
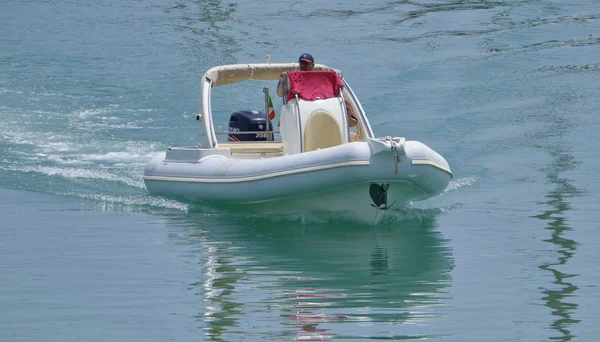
{"type": "Point", "coordinates": [306, 63]}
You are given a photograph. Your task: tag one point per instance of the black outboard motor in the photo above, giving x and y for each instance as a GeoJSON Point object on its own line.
{"type": "Point", "coordinates": [249, 121]}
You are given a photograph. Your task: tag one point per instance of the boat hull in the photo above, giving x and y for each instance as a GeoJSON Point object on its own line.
{"type": "Point", "coordinates": [364, 178]}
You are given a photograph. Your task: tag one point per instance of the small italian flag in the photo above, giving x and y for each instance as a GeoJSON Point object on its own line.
{"type": "Point", "coordinates": [271, 109]}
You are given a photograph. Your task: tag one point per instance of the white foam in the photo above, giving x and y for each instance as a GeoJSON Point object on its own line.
{"type": "Point", "coordinates": [86, 113]}
{"type": "Point", "coordinates": [57, 147]}
{"type": "Point", "coordinates": [75, 173]}
{"type": "Point", "coordinates": [126, 152]}
{"type": "Point", "coordinates": [462, 181]}
{"type": "Point", "coordinates": [66, 160]}
{"type": "Point", "coordinates": [98, 126]}
{"type": "Point", "coordinates": [4, 90]}
{"type": "Point", "coordinates": [128, 203]}
{"type": "Point", "coordinates": [122, 157]}
{"type": "Point", "coordinates": [17, 138]}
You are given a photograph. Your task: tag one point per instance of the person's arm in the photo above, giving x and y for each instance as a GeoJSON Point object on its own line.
{"type": "Point", "coordinates": [352, 120]}
{"type": "Point", "coordinates": [282, 86]}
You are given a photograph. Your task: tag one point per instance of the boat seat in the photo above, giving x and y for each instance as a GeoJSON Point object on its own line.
{"type": "Point", "coordinates": [321, 131]}
{"type": "Point", "coordinates": [253, 147]}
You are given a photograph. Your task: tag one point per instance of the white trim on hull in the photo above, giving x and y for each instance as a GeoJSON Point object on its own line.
{"type": "Point", "coordinates": [267, 175]}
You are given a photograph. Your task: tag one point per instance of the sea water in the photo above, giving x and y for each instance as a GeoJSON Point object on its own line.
{"type": "Point", "coordinates": [506, 91]}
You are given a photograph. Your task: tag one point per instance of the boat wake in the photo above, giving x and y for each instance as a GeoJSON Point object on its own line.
{"type": "Point", "coordinates": [460, 182]}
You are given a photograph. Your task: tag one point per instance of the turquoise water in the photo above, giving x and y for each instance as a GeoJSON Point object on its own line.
{"type": "Point", "coordinates": [506, 91]}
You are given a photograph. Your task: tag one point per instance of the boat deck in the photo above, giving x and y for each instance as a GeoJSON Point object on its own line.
{"type": "Point", "coordinates": [253, 147]}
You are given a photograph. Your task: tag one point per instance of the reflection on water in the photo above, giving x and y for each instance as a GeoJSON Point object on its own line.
{"type": "Point", "coordinates": [267, 279]}
{"type": "Point", "coordinates": [557, 298]}
{"type": "Point", "coordinates": [218, 288]}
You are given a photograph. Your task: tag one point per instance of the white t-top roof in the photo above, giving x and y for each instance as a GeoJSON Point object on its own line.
{"type": "Point", "coordinates": [234, 73]}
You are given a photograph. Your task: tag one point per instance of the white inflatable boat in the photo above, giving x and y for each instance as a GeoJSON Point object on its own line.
{"type": "Point", "coordinates": [314, 162]}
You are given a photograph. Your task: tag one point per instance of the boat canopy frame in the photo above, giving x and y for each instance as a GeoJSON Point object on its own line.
{"type": "Point", "coordinates": [235, 73]}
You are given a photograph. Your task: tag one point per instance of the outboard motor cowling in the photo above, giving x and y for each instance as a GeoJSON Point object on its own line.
{"type": "Point", "coordinates": [249, 121]}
